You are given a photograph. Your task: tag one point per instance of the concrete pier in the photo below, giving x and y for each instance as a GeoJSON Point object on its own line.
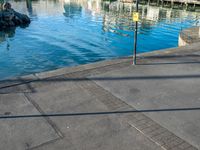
{"type": "Point", "coordinates": [189, 36]}
{"type": "Point", "coordinates": [109, 105]}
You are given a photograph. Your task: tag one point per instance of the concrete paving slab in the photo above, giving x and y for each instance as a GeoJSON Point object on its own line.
{"type": "Point", "coordinates": [19, 134]}
{"type": "Point", "coordinates": [86, 132]}
{"type": "Point", "coordinates": [99, 133]}
{"type": "Point", "coordinates": [110, 133]}
{"type": "Point", "coordinates": [157, 87]}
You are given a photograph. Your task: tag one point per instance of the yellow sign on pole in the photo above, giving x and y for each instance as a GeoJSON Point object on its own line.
{"type": "Point", "coordinates": [135, 16]}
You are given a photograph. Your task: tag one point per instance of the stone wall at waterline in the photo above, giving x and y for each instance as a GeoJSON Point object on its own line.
{"type": "Point", "coordinates": [189, 36]}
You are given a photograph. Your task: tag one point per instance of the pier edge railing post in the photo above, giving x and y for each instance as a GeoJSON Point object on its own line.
{"type": "Point", "coordinates": [135, 37]}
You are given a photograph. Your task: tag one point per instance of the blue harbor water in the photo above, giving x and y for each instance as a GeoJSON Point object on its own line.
{"type": "Point", "coordinates": [72, 32]}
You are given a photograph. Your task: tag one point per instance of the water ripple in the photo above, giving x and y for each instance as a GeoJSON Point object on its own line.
{"type": "Point", "coordinates": [78, 32]}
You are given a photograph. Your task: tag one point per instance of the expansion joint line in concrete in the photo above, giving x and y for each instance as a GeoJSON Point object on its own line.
{"type": "Point", "coordinates": [47, 119]}
{"type": "Point", "coordinates": [157, 143]}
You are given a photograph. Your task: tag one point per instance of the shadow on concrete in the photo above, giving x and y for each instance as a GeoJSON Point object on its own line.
{"type": "Point", "coordinates": [168, 63]}
{"type": "Point", "coordinates": [172, 59]}
{"type": "Point", "coordinates": [95, 113]}
{"type": "Point", "coordinates": [173, 56]}
{"type": "Point", "coordinates": [15, 82]}
{"type": "Point", "coordinates": [153, 77]}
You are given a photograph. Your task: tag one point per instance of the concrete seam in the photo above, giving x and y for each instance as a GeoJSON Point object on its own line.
{"type": "Point", "coordinates": [48, 120]}
{"type": "Point", "coordinates": [48, 142]}
{"type": "Point", "coordinates": [88, 70]}
{"type": "Point", "coordinates": [53, 125]}
{"type": "Point", "coordinates": [147, 136]}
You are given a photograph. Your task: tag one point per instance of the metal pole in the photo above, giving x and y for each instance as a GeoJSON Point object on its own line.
{"type": "Point", "coordinates": [135, 37]}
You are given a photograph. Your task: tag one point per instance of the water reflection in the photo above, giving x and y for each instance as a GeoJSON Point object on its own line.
{"type": "Point", "coordinates": [116, 16]}
{"type": "Point", "coordinates": [71, 32]}
{"type": "Point", "coordinates": [29, 7]}
{"type": "Point", "coordinates": [72, 8]}
{"type": "Point", "coordinates": [6, 35]}
{"type": "Point", "coordinates": [149, 15]}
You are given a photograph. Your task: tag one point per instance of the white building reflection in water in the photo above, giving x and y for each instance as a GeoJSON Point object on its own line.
{"type": "Point", "coordinates": [72, 8]}
{"type": "Point", "coordinates": [97, 7]}
{"type": "Point", "coordinates": [116, 17]}
{"type": "Point", "coordinates": [94, 6]}
{"type": "Point", "coordinates": [152, 13]}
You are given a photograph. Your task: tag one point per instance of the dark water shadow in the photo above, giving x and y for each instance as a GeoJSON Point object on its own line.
{"type": "Point", "coordinates": [7, 33]}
